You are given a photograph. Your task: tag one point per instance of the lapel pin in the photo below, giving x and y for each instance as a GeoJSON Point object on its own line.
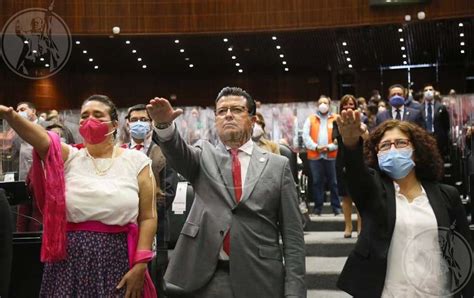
{"type": "Point", "coordinates": [261, 159]}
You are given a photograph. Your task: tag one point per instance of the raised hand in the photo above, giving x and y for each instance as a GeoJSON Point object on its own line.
{"type": "Point", "coordinates": [4, 111]}
{"type": "Point", "coordinates": [161, 111]}
{"type": "Point", "coordinates": [350, 127]}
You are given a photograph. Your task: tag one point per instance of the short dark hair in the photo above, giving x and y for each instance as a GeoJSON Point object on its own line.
{"type": "Point", "coordinates": [429, 164]}
{"type": "Point", "coordinates": [29, 104]}
{"type": "Point", "coordinates": [428, 84]}
{"type": "Point", "coordinates": [138, 107]}
{"type": "Point", "coordinates": [397, 86]}
{"type": "Point", "coordinates": [108, 102]}
{"type": "Point", "coordinates": [236, 91]}
{"type": "Point", "coordinates": [345, 99]}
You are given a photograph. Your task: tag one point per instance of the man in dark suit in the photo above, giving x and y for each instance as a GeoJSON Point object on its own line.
{"type": "Point", "coordinates": [245, 198]}
{"type": "Point", "coordinates": [436, 118]}
{"type": "Point", "coordinates": [398, 110]}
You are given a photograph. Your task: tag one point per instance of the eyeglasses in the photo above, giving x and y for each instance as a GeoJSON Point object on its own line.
{"type": "Point", "coordinates": [399, 143]}
{"type": "Point", "coordinates": [235, 110]}
{"type": "Point", "coordinates": [142, 119]}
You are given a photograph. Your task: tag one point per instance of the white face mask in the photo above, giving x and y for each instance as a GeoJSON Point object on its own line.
{"type": "Point", "coordinates": [257, 131]}
{"type": "Point", "coordinates": [323, 108]}
{"type": "Point", "coordinates": [429, 95]}
{"type": "Point", "coordinates": [381, 109]}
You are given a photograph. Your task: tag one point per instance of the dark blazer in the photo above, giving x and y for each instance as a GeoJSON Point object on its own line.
{"type": "Point", "coordinates": [440, 123]}
{"type": "Point", "coordinates": [409, 114]}
{"type": "Point", "coordinates": [412, 104]}
{"type": "Point", "coordinates": [374, 195]}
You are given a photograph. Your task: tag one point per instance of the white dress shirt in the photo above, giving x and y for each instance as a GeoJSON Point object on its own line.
{"type": "Point", "coordinates": [415, 266]}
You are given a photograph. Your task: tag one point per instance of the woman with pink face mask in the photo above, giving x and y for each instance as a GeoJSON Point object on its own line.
{"type": "Point", "coordinates": [98, 205]}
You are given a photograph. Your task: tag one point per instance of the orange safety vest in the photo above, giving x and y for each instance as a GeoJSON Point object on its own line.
{"type": "Point", "coordinates": [314, 133]}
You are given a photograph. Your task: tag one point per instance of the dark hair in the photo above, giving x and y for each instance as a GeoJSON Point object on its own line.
{"type": "Point", "coordinates": [108, 102]}
{"type": "Point", "coordinates": [138, 107]}
{"type": "Point", "coordinates": [345, 99]}
{"type": "Point", "coordinates": [236, 91]}
{"type": "Point", "coordinates": [397, 86]}
{"type": "Point", "coordinates": [429, 164]}
{"type": "Point", "coordinates": [29, 104]}
{"type": "Point", "coordinates": [260, 119]}
{"type": "Point", "coordinates": [428, 84]}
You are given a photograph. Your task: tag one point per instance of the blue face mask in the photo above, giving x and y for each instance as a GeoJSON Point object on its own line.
{"type": "Point", "coordinates": [23, 114]}
{"type": "Point", "coordinates": [397, 163]}
{"type": "Point", "coordinates": [139, 129]}
{"type": "Point", "coordinates": [397, 101]}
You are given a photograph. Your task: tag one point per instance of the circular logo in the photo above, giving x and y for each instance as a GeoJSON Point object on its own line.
{"type": "Point", "coordinates": [36, 43]}
{"type": "Point", "coordinates": [438, 262]}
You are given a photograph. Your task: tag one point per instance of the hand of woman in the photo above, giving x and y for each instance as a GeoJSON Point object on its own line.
{"type": "Point", "coordinates": [4, 110]}
{"type": "Point", "coordinates": [350, 127]}
{"type": "Point", "coordinates": [134, 280]}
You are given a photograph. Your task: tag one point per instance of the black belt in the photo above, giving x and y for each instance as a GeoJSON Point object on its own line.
{"type": "Point", "coordinates": [223, 265]}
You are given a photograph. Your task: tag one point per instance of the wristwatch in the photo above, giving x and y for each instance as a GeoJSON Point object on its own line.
{"type": "Point", "coordinates": [163, 125]}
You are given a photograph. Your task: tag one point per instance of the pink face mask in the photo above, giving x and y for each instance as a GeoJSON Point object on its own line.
{"type": "Point", "coordinates": [94, 131]}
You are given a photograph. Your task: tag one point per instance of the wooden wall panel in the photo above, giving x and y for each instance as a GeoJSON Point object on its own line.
{"type": "Point", "coordinates": [199, 16]}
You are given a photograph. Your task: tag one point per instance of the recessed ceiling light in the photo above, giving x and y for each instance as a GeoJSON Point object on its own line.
{"type": "Point", "coordinates": [350, 65]}
{"type": "Point", "coordinates": [181, 50]}
{"type": "Point", "coordinates": [46, 65]}
{"type": "Point", "coordinates": [282, 56]}
{"type": "Point", "coordinates": [127, 41]}
{"type": "Point", "coordinates": [274, 37]}
{"type": "Point", "coordinates": [241, 70]}
{"type": "Point", "coordinates": [287, 69]}
{"type": "Point", "coordinates": [229, 49]}
{"type": "Point", "coordinates": [187, 59]}
{"type": "Point", "coordinates": [139, 59]}
{"type": "Point", "coordinates": [144, 66]}
{"type": "Point", "coordinates": [283, 62]}
{"type": "Point", "coordinates": [84, 52]}
{"type": "Point", "coordinates": [225, 40]}
{"type": "Point", "coordinates": [34, 51]}
{"type": "Point", "coordinates": [191, 65]}
{"type": "Point", "coordinates": [400, 30]}
{"type": "Point", "coordinates": [462, 43]}
{"type": "Point", "coordinates": [461, 34]}
{"type": "Point", "coordinates": [403, 48]}
{"type": "Point", "coordinates": [402, 40]}
{"type": "Point", "coordinates": [96, 67]}
{"type": "Point", "coordinates": [78, 42]}
{"type": "Point", "coordinates": [41, 59]}
{"type": "Point", "coordinates": [176, 41]}
{"type": "Point", "coordinates": [404, 62]}
{"type": "Point", "coordinates": [233, 57]}
{"type": "Point", "coordinates": [461, 25]}
{"type": "Point", "coordinates": [237, 64]}
{"type": "Point", "coordinates": [90, 59]}
{"type": "Point", "coordinates": [346, 52]}
{"type": "Point", "coordinates": [348, 59]}
{"type": "Point", "coordinates": [134, 51]}
{"type": "Point", "coordinates": [344, 43]}
{"type": "Point", "coordinates": [404, 56]}
{"type": "Point", "coordinates": [462, 51]}
{"type": "Point", "coordinates": [25, 42]}
{"type": "Point", "coordinates": [278, 47]}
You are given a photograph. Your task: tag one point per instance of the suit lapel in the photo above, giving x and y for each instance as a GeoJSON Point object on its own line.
{"type": "Point", "coordinates": [257, 163]}
{"type": "Point", "coordinates": [224, 166]}
{"type": "Point", "coordinates": [391, 204]}
{"type": "Point", "coordinates": [435, 197]}
{"type": "Point", "coordinates": [406, 114]}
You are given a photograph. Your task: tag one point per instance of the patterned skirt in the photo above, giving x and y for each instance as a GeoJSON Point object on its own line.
{"type": "Point", "coordinates": [95, 264]}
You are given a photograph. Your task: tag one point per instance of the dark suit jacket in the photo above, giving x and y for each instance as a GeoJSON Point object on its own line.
{"type": "Point", "coordinates": [412, 104]}
{"type": "Point", "coordinates": [440, 123]}
{"type": "Point", "coordinates": [409, 114]}
{"type": "Point", "coordinates": [374, 195]}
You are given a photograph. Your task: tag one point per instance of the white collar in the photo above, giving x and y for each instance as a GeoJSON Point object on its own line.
{"type": "Point", "coordinates": [146, 143]}
{"type": "Point", "coordinates": [247, 147]}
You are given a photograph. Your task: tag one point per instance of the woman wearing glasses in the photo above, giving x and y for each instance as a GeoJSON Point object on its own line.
{"type": "Point", "coordinates": [403, 249]}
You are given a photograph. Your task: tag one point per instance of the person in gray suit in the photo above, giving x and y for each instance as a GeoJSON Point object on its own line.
{"type": "Point", "coordinates": [245, 199]}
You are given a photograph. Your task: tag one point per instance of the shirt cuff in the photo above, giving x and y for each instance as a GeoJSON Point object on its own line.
{"type": "Point", "coordinates": [165, 134]}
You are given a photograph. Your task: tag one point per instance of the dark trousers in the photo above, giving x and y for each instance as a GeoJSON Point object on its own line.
{"type": "Point", "coordinates": [324, 170]}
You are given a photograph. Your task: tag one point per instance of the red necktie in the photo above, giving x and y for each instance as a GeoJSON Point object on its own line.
{"type": "Point", "coordinates": [138, 146]}
{"type": "Point", "coordinates": [237, 177]}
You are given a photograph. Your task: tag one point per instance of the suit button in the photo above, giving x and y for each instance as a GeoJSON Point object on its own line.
{"type": "Point", "coordinates": [221, 232]}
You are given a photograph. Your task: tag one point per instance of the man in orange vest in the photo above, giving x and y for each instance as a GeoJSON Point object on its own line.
{"type": "Point", "coordinates": [322, 152]}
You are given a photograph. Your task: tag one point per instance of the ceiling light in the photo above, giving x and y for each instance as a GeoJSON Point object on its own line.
{"type": "Point", "coordinates": [283, 62]}
{"type": "Point", "coordinates": [181, 50]}
{"type": "Point", "coordinates": [400, 30]}
{"type": "Point", "coordinates": [84, 52]}
{"type": "Point", "coordinates": [274, 37]}
{"type": "Point", "coordinates": [41, 59]}
{"type": "Point", "coordinates": [403, 48]}
{"type": "Point", "coordinates": [176, 41]}
{"type": "Point", "coordinates": [237, 64]}
{"type": "Point", "coordinates": [350, 65]}
{"type": "Point", "coordinates": [225, 40]}
{"type": "Point", "coordinates": [144, 66]}
{"type": "Point", "coordinates": [404, 62]}
{"type": "Point", "coordinates": [34, 51]}
{"type": "Point", "coordinates": [282, 56]}
{"type": "Point", "coordinates": [187, 59]}
{"type": "Point", "coordinates": [139, 59]}
{"type": "Point", "coordinates": [90, 59]}
{"type": "Point", "coordinates": [404, 56]}
{"type": "Point", "coordinates": [461, 25]}
{"type": "Point", "coordinates": [96, 67]}
{"type": "Point", "coordinates": [344, 43]}
{"type": "Point", "coordinates": [229, 49]}
{"type": "Point", "coordinates": [278, 47]}
{"type": "Point", "coordinates": [191, 65]}
{"type": "Point", "coordinates": [46, 65]}
{"type": "Point", "coordinates": [134, 51]}
{"type": "Point", "coordinates": [25, 42]}
{"type": "Point", "coordinates": [461, 34]}
{"type": "Point", "coordinates": [233, 57]}
{"type": "Point", "coordinates": [287, 69]}
{"type": "Point", "coordinates": [462, 43]}
{"type": "Point", "coordinates": [78, 42]}
{"type": "Point", "coordinates": [462, 51]}
{"type": "Point", "coordinates": [346, 52]}
{"type": "Point", "coordinates": [348, 59]}
{"type": "Point", "coordinates": [402, 40]}
{"type": "Point", "coordinates": [241, 70]}
{"type": "Point", "coordinates": [127, 41]}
